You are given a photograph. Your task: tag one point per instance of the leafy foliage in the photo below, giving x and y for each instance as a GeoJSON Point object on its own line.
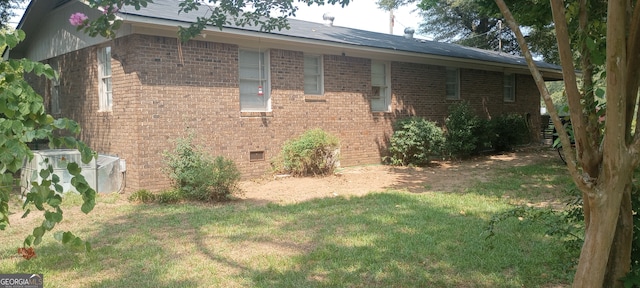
{"type": "Point", "coordinates": [478, 24]}
{"type": "Point", "coordinates": [24, 120]}
{"type": "Point", "coordinates": [171, 196]}
{"type": "Point", "coordinates": [413, 141]}
{"type": "Point", "coordinates": [465, 132]}
{"type": "Point", "coordinates": [143, 196]}
{"type": "Point", "coordinates": [196, 175]}
{"type": "Point", "coordinates": [510, 130]}
{"type": "Point", "coordinates": [7, 8]}
{"type": "Point", "coordinates": [315, 152]}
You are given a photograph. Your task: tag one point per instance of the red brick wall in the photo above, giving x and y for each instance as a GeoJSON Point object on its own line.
{"type": "Point", "coordinates": [113, 133]}
{"type": "Point", "coordinates": [160, 94]}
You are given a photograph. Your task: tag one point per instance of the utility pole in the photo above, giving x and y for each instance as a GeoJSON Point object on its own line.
{"type": "Point", "coordinates": [500, 36]}
{"type": "Point", "coordinates": [391, 21]}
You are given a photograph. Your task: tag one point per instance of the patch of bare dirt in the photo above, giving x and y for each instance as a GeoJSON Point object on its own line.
{"type": "Point", "coordinates": [450, 176]}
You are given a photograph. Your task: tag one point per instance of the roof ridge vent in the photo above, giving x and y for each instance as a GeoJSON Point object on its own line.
{"type": "Point", "coordinates": [328, 19]}
{"type": "Point", "coordinates": [408, 32]}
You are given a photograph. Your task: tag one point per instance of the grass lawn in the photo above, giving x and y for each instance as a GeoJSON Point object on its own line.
{"type": "Point", "coordinates": [384, 239]}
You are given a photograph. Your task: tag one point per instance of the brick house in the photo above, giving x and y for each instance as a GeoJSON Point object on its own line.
{"type": "Point", "coordinates": [244, 92]}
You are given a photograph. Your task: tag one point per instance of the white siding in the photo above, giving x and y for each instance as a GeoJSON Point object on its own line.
{"type": "Point", "coordinates": [57, 36]}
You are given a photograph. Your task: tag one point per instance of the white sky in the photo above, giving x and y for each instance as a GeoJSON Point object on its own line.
{"type": "Point", "coordinates": [364, 15]}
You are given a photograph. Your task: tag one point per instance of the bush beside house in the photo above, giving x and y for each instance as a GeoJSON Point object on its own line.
{"type": "Point", "coordinates": [415, 140]}
{"type": "Point", "coordinates": [315, 152]}
{"type": "Point", "coordinates": [198, 176]}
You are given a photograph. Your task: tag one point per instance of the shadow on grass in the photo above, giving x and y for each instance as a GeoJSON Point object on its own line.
{"type": "Point", "coordinates": [379, 240]}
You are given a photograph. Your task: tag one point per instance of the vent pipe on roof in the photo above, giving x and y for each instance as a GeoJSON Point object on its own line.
{"type": "Point", "coordinates": [328, 19]}
{"type": "Point", "coordinates": [408, 33]}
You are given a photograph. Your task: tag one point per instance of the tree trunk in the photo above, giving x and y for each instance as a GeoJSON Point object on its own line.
{"type": "Point", "coordinates": [603, 175]}
{"type": "Point", "coordinates": [599, 237]}
{"type": "Point", "coordinates": [616, 171]}
{"type": "Point", "coordinates": [619, 258]}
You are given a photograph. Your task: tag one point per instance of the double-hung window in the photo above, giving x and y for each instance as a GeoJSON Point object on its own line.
{"type": "Point", "coordinates": [255, 93]}
{"type": "Point", "coordinates": [104, 75]}
{"type": "Point", "coordinates": [380, 86]}
{"type": "Point", "coordinates": [55, 88]}
{"type": "Point", "coordinates": [509, 87]}
{"type": "Point", "coordinates": [313, 75]}
{"type": "Point", "coordinates": [453, 83]}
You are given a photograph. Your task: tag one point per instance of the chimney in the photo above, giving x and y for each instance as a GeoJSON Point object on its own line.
{"type": "Point", "coordinates": [408, 33]}
{"type": "Point", "coordinates": [328, 19]}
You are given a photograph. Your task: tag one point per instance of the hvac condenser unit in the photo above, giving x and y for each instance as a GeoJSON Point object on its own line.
{"type": "Point", "coordinates": [105, 174]}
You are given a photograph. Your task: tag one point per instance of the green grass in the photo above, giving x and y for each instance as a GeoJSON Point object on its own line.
{"type": "Point", "coordinates": [390, 239]}
{"type": "Point", "coordinates": [539, 182]}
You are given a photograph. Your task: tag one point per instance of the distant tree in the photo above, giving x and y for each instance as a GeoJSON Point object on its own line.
{"type": "Point", "coordinates": [477, 23]}
{"type": "Point", "coordinates": [7, 10]}
{"type": "Point", "coordinates": [392, 4]}
{"type": "Point", "coordinates": [466, 23]}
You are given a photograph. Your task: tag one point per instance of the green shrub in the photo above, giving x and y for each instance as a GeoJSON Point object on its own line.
{"type": "Point", "coordinates": [413, 141]}
{"type": "Point", "coordinates": [197, 175]}
{"type": "Point", "coordinates": [171, 196]}
{"type": "Point", "coordinates": [466, 134]}
{"type": "Point", "coordinates": [143, 196]}
{"type": "Point", "coordinates": [315, 152]}
{"type": "Point", "coordinates": [511, 130]}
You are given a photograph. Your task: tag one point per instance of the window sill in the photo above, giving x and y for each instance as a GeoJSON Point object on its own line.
{"type": "Point", "coordinates": [380, 113]}
{"type": "Point", "coordinates": [315, 98]}
{"type": "Point", "coordinates": [256, 114]}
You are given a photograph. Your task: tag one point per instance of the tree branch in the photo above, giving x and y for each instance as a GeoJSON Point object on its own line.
{"type": "Point", "coordinates": [587, 155]}
{"type": "Point", "coordinates": [633, 62]}
{"type": "Point", "coordinates": [584, 183]}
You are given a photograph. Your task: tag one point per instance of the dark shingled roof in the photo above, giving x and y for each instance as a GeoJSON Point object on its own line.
{"type": "Point", "coordinates": [168, 10]}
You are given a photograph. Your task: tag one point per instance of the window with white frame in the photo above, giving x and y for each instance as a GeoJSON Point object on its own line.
{"type": "Point", "coordinates": [255, 93]}
{"type": "Point", "coordinates": [453, 83]}
{"type": "Point", "coordinates": [104, 72]}
{"type": "Point", "coordinates": [55, 88]}
{"type": "Point", "coordinates": [509, 87]}
{"type": "Point", "coordinates": [380, 86]}
{"type": "Point", "coordinates": [313, 75]}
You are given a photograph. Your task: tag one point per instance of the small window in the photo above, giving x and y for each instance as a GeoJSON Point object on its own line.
{"type": "Point", "coordinates": [509, 87]}
{"type": "Point", "coordinates": [255, 93]}
{"type": "Point", "coordinates": [313, 75]}
{"type": "Point", "coordinates": [104, 72]}
{"type": "Point", "coordinates": [55, 88]}
{"type": "Point", "coordinates": [453, 84]}
{"type": "Point", "coordinates": [380, 86]}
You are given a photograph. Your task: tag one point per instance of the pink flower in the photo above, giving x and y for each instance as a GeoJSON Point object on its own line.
{"type": "Point", "coordinates": [78, 19]}
{"type": "Point", "coordinates": [105, 9]}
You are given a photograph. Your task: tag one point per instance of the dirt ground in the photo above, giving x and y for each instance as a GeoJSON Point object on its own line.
{"type": "Point", "coordinates": [450, 176]}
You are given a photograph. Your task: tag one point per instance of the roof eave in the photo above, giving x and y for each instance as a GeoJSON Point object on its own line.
{"type": "Point", "coordinates": [170, 25]}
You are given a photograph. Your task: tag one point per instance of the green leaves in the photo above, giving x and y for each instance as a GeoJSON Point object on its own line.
{"type": "Point", "coordinates": [12, 39]}
{"type": "Point", "coordinates": [67, 238]}
{"type": "Point", "coordinates": [24, 120]}
{"type": "Point", "coordinates": [413, 141]}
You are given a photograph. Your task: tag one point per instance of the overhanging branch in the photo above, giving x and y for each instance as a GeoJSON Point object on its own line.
{"type": "Point", "coordinates": [584, 183]}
